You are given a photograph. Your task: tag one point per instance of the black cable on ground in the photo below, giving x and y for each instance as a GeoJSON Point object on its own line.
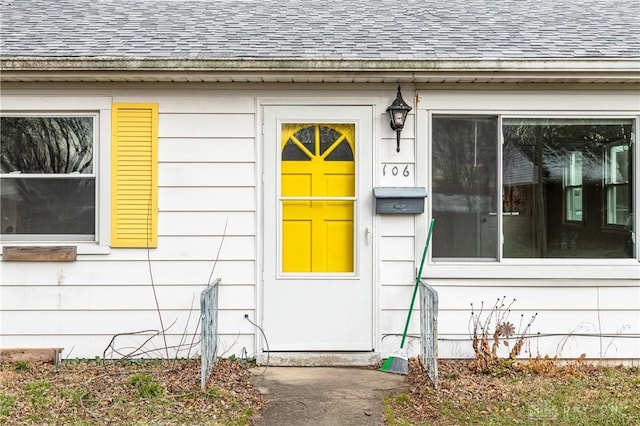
{"type": "Point", "coordinates": [246, 316]}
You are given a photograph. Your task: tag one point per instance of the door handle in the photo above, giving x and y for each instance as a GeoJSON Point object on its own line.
{"type": "Point", "coordinates": [368, 235]}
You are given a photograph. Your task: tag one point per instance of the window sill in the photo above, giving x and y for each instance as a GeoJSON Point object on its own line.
{"type": "Point", "coordinates": [39, 253]}
{"type": "Point", "coordinates": [80, 248]}
{"type": "Point", "coordinates": [579, 269]}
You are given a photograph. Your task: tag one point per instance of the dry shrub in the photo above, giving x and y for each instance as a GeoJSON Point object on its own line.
{"type": "Point", "coordinates": [492, 330]}
{"type": "Point", "coordinates": [553, 367]}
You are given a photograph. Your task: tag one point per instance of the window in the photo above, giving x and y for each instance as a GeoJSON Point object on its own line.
{"type": "Point", "coordinates": [617, 184]}
{"type": "Point", "coordinates": [573, 187]}
{"type": "Point", "coordinates": [567, 187]}
{"type": "Point", "coordinates": [48, 177]}
{"type": "Point", "coordinates": [318, 163]}
{"type": "Point", "coordinates": [464, 187]}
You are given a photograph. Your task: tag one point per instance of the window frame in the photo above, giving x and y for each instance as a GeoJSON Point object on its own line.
{"type": "Point", "coordinates": [519, 103]}
{"type": "Point", "coordinates": [611, 184]}
{"type": "Point", "coordinates": [501, 120]}
{"type": "Point", "coordinates": [100, 109]}
{"type": "Point", "coordinates": [498, 194]}
{"type": "Point", "coordinates": [70, 238]}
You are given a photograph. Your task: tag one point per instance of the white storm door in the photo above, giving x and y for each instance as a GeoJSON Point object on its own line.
{"type": "Point", "coordinates": [317, 290]}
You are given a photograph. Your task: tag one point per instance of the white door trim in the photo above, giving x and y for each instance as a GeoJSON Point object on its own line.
{"type": "Point", "coordinates": [264, 168]}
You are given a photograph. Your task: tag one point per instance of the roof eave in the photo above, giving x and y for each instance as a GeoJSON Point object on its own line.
{"type": "Point", "coordinates": [294, 70]}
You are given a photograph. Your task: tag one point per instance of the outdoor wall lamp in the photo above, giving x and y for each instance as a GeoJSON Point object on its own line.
{"type": "Point", "coordinates": [398, 111]}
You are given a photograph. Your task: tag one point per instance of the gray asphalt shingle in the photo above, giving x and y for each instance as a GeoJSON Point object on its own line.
{"type": "Point", "coordinates": [329, 29]}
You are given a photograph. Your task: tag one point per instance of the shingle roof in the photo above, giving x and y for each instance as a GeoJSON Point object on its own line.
{"type": "Point", "coordinates": [320, 30]}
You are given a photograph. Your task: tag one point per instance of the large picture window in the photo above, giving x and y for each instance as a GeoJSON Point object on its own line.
{"type": "Point", "coordinates": [567, 187]}
{"type": "Point", "coordinates": [47, 178]}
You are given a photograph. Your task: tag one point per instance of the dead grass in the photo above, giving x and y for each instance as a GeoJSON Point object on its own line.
{"type": "Point", "coordinates": [539, 393]}
{"type": "Point", "coordinates": [142, 392]}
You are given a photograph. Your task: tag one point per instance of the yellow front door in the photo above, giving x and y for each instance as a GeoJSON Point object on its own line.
{"type": "Point", "coordinates": [318, 194]}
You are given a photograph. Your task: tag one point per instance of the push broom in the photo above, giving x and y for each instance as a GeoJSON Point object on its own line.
{"type": "Point", "coordinates": [398, 363]}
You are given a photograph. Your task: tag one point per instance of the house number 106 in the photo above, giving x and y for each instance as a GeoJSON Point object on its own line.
{"type": "Point", "coordinates": [395, 170]}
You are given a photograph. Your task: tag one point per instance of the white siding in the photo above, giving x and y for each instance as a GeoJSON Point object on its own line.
{"type": "Point", "coordinates": [573, 317]}
{"type": "Point", "coordinates": [196, 150]}
{"type": "Point", "coordinates": [209, 216]}
{"type": "Point", "coordinates": [205, 125]}
{"type": "Point", "coordinates": [101, 270]}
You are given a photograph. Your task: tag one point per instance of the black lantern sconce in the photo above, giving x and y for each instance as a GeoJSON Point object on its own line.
{"type": "Point", "coordinates": [398, 111]}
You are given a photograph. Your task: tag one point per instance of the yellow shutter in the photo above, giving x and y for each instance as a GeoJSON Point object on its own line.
{"type": "Point", "coordinates": [134, 175]}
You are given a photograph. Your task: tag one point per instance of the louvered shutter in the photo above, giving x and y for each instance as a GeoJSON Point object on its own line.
{"type": "Point", "coordinates": [134, 175]}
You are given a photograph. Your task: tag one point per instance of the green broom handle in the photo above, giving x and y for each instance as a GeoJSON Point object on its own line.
{"type": "Point", "coordinates": [415, 289]}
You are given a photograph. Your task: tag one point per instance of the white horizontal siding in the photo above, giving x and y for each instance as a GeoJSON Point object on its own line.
{"type": "Point", "coordinates": [210, 150]}
{"type": "Point", "coordinates": [185, 223]}
{"type": "Point", "coordinates": [598, 318]}
{"type": "Point", "coordinates": [206, 248]}
{"type": "Point", "coordinates": [86, 333]}
{"type": "Point", "coordinates": [101, 270]}
{"type": "Point", "coordinates": [397, 273]}
{"type": "Point", "coordinates": [105, 323]}
{"type": "Point", "coordinates": [397, 248]}
{"type": "Point", "coordinates": [571, 297]}
{"type": "Point", "coordinates": [193, 248]}
{"type": "Point", "coordinates": [207, 125]}
{"type": "Point", "coordinates": [539, 100]}
{"type": "Point", "coordinates": [187, 101]}
{"type": "Point", "coordinates": [389, 154]}
{"type": "Point", "coordinates": [579, 332]}
{"type": "Point", "coordinates": [396, 225]}
{"type": "Point", "coordinates": [207, 204]}
{"type": "Point", "coordinates": [206, 174]}
{"type": "Point", "coordinates": [452, 323]}
{"type": "Point", "coordinates": [226, 199]}
{"type": "Point", "coordinates": [125, 298]}
{"type": "Point", "coordinates": [551, 321]}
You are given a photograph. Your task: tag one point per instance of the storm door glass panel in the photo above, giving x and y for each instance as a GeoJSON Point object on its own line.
{"type": "Point", "coordinates": [47, 178]}
{"type": "Point", "coordinates": [464, 187]}
{"type": "Point", "coordinates": [318, 197]}
{"type": "Point", "coordinates": [574, 189]}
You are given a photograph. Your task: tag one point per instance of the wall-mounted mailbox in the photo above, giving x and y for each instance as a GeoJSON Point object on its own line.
{"type": "Point", "coordinates": [399, 200]}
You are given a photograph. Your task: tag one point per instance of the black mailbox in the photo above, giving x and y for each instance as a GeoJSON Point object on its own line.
{"type": "Point", "coordinates": [399, 200]}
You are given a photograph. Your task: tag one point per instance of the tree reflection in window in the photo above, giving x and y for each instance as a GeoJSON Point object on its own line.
{"type": "Point", "coordinates": [47, 178]}
{"type": "Point", "coordinates": [47, 145]}
{"type": "Point", "coordinates": [570, 161]}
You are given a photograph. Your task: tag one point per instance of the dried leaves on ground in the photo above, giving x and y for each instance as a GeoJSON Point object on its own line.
{"type": "Point", "coordinates": [133, 392]}
{"type": "Point", "coordinates": [542, 391]}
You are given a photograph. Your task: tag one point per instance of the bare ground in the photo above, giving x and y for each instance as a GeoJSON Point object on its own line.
{"type": "Point", "coordinates": [134, 392]}
{"type": "Point", "coordinates": [541, 391]}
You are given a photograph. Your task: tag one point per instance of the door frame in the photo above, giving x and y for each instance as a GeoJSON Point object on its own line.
{"type": "Point", "coordinates": [311, 357]}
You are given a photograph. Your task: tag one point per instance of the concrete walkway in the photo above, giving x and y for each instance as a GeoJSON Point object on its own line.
{"type": "Point", "coordinates": [318, 396]}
